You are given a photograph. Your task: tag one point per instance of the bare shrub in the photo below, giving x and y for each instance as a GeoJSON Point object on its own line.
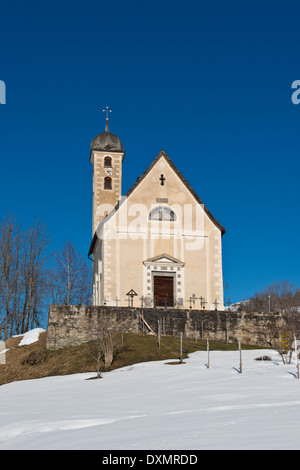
{"type": "Point", "coordinates": [35, 358]}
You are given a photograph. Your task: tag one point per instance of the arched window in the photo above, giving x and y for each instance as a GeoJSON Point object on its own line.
{"type": "Point", "coordinates": [107, 183]}
{"type": "Point", "coordinates": [107, 162]}
{"type": "Point", "coordinates": [162, 213]}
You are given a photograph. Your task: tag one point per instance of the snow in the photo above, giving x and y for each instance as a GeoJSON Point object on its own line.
{"type": "Point", "coordinates": [31, 336]}
{"type": "Point", "coordinates": [156, 405]}
{"type": "Point", "coordinates": [235, 307]}
{"type": "Point", "coordinates": [3, 351]}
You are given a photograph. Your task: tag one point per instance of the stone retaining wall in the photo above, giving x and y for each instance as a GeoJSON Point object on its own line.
{"type": "Point", "coordinates": [74, 325]}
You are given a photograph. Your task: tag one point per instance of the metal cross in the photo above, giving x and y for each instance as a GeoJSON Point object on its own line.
{"type": "Point", "coordinates": [192, 300]}
{"type": "Point", "coordinates": [107, 110]}
{"type": "Point", "coordinates": [202, 302]}
{"type": "Point", "coordinates": [162, 180]}
{"type": "Point", "coordinates": [143, 301]}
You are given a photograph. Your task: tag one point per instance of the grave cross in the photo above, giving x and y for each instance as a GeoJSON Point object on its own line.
{"type": "Point", "coordinates": [202, 302]}
{"type": "Point", "coordinates": [131, 294]}
{"type": "Point", "coordinates": [192, 300]}
{"type": "Point", "coordinates": [143, 300]}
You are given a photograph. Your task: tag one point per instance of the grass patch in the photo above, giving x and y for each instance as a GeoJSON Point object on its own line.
{"type": "Point", "coordinates": [35, 361]}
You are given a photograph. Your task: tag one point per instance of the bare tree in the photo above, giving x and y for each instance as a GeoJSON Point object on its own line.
{"type": "Point", "coordinates": [109, 342]}
{"type": "Point", "coordinates": [34, 275]}
{"type": "Point", "coordinates": [96, 351]}
{"type": "Point", "coordinates": [70, 278]}
{"type": "Point", "coordinates": [105, 343]}
{"type": "Point", "coordinates": [282, 296]}
{"type": "Point", "coordinates": [10, 242]}
{"type": "Point", "coordinates": [23, 265]}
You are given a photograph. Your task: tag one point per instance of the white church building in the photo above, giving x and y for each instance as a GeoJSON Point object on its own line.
{"type": "Point", "coordinates": [158, 245]}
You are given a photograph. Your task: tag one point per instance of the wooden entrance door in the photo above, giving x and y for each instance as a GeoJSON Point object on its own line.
{"type": "Point", "coordinates": [164, 291]}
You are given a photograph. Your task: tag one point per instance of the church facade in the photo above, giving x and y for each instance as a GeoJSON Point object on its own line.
{"type": "Point", "coordinates": [158, 246]}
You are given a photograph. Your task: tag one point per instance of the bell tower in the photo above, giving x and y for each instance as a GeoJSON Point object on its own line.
{"type": "Point", "coordinates": [107, 156]}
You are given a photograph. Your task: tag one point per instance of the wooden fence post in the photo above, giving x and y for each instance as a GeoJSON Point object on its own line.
{"type": "Point", "coordinates": [207, 347]}
{"type": "Point", "coordinates": [241, 364]}
{"type": "Point", "coordinates": [297, 358]}
{"type": "Point", "coordinates": [181, 360]}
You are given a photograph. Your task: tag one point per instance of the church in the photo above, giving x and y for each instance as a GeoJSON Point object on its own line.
{"type": "Point", "coordinates": [158, 246]}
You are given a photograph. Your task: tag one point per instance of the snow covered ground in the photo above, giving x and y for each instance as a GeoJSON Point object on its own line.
{"type": "Point", "coordinates": [30, 337]}
{"type": "Point", "coordinates": [27, 338]}
{"type": "Point", "coordinates": [158, 406]}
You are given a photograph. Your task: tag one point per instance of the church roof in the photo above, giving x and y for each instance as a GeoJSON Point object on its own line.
{"type": "Point", "coordinates": [106, 141]}
{"type": "Point", "coordinates": [161, 154]}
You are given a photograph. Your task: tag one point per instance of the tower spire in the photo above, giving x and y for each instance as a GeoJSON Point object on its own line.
{"type": "Point", "coordinates": [107, 110]}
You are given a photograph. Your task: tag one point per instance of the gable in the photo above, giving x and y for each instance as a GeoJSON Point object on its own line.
{"type": "Point", "coordinates": [163, 156]}
{"type": "Point", "coordinates": [147, 188]}
{"type": "Point", "coordinates": [164, 259]}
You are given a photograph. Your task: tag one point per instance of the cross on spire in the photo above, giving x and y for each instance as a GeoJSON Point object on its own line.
{"type": "Point", "coordinates": [107, 111]}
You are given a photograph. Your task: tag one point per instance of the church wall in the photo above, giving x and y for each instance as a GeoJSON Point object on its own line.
{"type": "Point", "coordinates": [133, 240]}
{"type": "Point", "coordinates": [74, 325]}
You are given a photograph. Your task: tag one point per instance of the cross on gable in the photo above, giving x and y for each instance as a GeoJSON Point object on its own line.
{"type": "Point", "coordinates": [162, 180]}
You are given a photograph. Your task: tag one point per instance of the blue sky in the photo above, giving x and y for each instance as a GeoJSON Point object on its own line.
{"type": "Point", "coordinates": [207, 81]}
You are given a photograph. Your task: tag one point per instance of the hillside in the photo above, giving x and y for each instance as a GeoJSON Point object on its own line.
{"type": "Point", "coordinates": [154, 405]}
{"type": "Point", "coordinates": [31, 361]}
